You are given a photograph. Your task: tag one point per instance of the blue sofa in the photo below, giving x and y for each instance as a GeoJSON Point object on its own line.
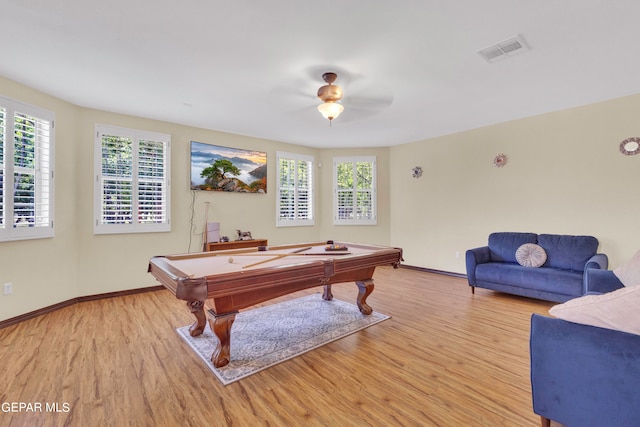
{"type": "Point", "coordinates": [559, 279]}
{"type": "Point", "coordinates": [583, 376]}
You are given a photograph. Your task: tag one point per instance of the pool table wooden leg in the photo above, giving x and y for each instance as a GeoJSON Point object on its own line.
{"type": "Point", "coordinates": [197, 308]}
{"type": "Point", "coordinates": [364, 290]}
{"type": "Point", "coordinates": [221, 327]}
{"type": "Point", "coordinates": [327, 295]}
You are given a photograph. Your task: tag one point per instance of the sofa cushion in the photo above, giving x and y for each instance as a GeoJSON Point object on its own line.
{"type": "Point", "coordinates": [568, 252]}
{"type": "Point", "coordinates": [614, 310]}
{"type": "Point", "coordinates": [565, 282]}
{"type": "Point", "coordinates": [629, 272]}
{"type": "Point", "coordinates": [531, 255]}
{"type": "Point", "coordinates": [503, 246]}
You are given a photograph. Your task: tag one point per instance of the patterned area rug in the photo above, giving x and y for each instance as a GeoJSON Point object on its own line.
{"type": "Point", "coordinates": [268, 335]}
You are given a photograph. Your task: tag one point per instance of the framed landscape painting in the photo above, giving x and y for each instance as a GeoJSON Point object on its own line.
{"type": "Point", "coordinates": [216, 168]}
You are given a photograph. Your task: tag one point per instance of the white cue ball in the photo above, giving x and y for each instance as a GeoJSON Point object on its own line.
{"type": "Point", "coordinates": [230, 260]}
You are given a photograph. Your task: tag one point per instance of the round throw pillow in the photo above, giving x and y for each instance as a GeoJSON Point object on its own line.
{"type": "Point", "coordinates": [531, 255]}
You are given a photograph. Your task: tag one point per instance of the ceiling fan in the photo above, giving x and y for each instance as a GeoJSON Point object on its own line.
{"type": "Point", "coordinates": [360, 99]}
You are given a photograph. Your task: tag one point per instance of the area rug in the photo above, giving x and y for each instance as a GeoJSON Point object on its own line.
{"type": "Point", "coordinates": [268, 335]}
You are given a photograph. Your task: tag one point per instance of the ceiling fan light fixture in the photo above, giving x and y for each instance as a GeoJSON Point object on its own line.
{"type": "Point", "coordinates": [330, 94]}
{"type": "Point", "coordinates": [330, 110]}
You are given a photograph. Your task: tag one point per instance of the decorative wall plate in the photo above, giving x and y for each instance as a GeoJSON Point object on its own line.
{"type": "Point", "coordinates": [416, 172]}
{"type": "Point", "coordinates": [630, 146]}
{"type": "Point", "coordinates": [500, 160]}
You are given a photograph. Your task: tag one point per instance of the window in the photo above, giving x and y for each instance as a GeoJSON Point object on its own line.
{"type": "Point", "coordinates": [295, 190]}
{"type": "Point", "coordinates": [354, 183]}
{"type": "Point", "coordinates": [132, 181]}
{"type": "Point", "coordinates": [26, 171]}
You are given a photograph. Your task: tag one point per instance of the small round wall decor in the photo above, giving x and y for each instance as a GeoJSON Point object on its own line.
{"type": "Point", "coordinates": [500, 160]}
{"type": "Point", "coordinates": [630, 146]}
{"type": "Point", "coordinates": [416, 172]}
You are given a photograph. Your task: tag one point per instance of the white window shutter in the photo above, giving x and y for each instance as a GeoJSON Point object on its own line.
{"type": "Point", "coordinates": [294, 190]}
{"type": "Point", "coordinates": [26, 171]}
{"type": "Point", "coordinates": [354, 180]}
{"type": "Point", "coordinates": [132, 181]}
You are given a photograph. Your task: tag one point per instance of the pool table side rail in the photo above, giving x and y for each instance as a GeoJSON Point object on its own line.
{"type": "Point", "coordinates": [232, 252]}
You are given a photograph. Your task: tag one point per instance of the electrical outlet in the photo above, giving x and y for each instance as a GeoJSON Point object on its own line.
{"type": "Point", "coordinates": [457, 254]}
{"type": "Point", "coordinates": [8, 288]}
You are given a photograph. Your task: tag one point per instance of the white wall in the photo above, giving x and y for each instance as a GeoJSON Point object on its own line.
{"type": "Point", "coordinates": [564, 175]}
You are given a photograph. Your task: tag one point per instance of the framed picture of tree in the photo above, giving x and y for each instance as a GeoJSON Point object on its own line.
{"type": "Point", "coordinates": [216, 168]}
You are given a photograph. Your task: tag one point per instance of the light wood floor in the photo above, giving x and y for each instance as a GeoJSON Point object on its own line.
{"type": "Point", "coordinates": [445, 358]}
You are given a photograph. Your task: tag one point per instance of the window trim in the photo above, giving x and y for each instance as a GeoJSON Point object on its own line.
{"type": "Point", "coordinates": [297, 222]}
{"type": "Point", "coordinates": [374, 190]}
{"type": "Point", "coordinates": [9, 232]}
{"type": "Point", "coordinates": [136, 135]}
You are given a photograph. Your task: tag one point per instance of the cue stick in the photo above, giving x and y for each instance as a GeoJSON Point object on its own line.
{"type": "Point", "coordinates": [209, 254]}
{"type": "Point", "coordinates": [205, 234]}
{"type": "Point", "coordinates": [263, 253]}
{"type": "Point", "coordinates": [275, 257]}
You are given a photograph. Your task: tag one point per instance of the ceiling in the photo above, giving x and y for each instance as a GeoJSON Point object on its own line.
{"type": "Point", "coordinates": [409, 68]}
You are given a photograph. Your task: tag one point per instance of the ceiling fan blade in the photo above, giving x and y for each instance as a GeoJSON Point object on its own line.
{"type": "Point", "coordinates": [368, 95]}
{"type": "Point", "coordinates": [362, 107]}
{"type": "Point", "coordinates": [368, 104]}
{"type": "Point", "coordinates": [289, 99]}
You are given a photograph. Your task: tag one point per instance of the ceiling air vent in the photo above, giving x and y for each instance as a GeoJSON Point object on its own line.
{"type": "Point", "coordinates": [504, 49]}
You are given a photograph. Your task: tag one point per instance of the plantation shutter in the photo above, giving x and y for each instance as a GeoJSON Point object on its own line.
{"type": "Point", "coordinates": [303, 187]}
{"type": "Point", "coordinates": [152, 194]}
{"type": "Point", "coordinates": [117, 180]}
{"type": "Point", "coordinates": [286, 193]}
{"type": "Point", "coordinates": [295, 190]}
{"type": "Point", "coordinates": [26, 171]}
{"type": "Point", "coordinates": [355, 190]}
{"type": "Point", "coordinates": [132, 183]}
{"type": "Point", "coordinates": [3, 130]}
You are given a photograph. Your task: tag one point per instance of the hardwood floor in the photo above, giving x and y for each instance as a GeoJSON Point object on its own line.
{"type": "Point", "coordinates": [445, 358]}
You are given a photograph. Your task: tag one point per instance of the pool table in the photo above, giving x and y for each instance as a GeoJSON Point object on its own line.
{"type": "Point", "coordinates": [224, 282]}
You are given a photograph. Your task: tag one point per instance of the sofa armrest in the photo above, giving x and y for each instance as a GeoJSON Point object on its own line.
{"type": "Point", "coordinates": [600, 281]}
{"type": "Point", "coordinates": [598, 261]}
{"type": "Point", "coordinates": [583, 375]}
{"type": "Point", "coordinates": [474, 257]}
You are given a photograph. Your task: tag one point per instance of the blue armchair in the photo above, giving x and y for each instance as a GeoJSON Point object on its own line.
{"type": "Point", "coordinates": [582, 375]}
